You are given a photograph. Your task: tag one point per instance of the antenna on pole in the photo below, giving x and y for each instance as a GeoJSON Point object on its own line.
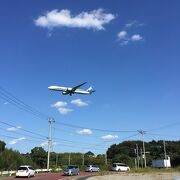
{"type": "Point", "coordinates": [50, 120]}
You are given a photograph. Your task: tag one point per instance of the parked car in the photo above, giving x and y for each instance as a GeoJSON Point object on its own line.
{"type": "Point", "coordinates": [92, 168]}
{"type": "Point", "coordinates": [71, 170]}
{"type": "Point", "coordinates": [120, 167]}
{"type": "Point", "coordinates": [25, 171]}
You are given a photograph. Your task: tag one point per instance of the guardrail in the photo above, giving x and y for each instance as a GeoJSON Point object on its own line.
{"type": "Point", "coordinates": [13, 172]}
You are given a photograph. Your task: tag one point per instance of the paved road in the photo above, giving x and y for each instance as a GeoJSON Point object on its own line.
{"type": "Point", "coordinates": [49, 176]}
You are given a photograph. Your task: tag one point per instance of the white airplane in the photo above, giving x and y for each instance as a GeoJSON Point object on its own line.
{"type": "Point", "coordinates": [72, 90]}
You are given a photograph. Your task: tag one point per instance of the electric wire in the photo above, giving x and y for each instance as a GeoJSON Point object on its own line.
{"type": "Point", "coordinates": [94, 129]}
{"type": "Point", "coordinates": [7, 96]}
{"type": "Point", "coordinates": [15, 132]}
{"type": "Point", "coordinates": [23, 129]}
{"type": "Point", "coordinates": [16, 138]}
{"type": "Point", "coordinates": [154, 134]}
{"type": "Point", "coordinates": [165, 126]}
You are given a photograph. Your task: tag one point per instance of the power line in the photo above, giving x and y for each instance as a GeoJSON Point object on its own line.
{"type": "Point", "coordinates": [76, 147]}
{"type": "Point", "coordinates": [165, 126]}
{"type": "Point", "coordinates": [21, 133]}
{"type": "Point", "coordinates": [7, 96]}
{"type": "Point", "coordinates": [15, 138]}
{"type": "Point", "coordinates": [23, 129]}
{"type": "Point", "coordinates": [154, 134]}
{"type": "Point", "coordinates": [94, 129]}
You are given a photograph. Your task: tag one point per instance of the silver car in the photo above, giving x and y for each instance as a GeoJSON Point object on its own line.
{"type": "Point", "coordinates": [72, 170]}
{"type": "Point", "coordinates": [92, 168]}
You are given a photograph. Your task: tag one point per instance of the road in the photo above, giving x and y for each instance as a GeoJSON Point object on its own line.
{"type": "Point", "coordinates": [49, 176]}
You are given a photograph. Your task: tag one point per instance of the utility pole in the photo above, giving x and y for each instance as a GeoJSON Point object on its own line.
{"type": "Point", "coordinates": [164, 149]}
{"type": "Point", "coordinates": [165, 153]}
{"type": "Point", "coordinates": [50, 120]}
{"type": "Point", "coordinates": [82, 159]}
{"type": "Point", "coordinates": [56, 160]}
{"type": "Point", "coordinates": [69, 158]}
{"type": "Point", "coordinates": [135, 159]}
{"type": "Point", "coordinates": [137, 156]}
{"type": "Point", "coordinates": [141, 158]}
{"type": "Point", "coordinates": [137, 153]}
{"type": "Point", "coordinates": [106, 158]}
{"type": "Point", "coordinates": [144, 151]}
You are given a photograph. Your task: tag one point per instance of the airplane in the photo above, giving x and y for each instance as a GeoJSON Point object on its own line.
{"type": "Point", "coordinates": [72, 90]}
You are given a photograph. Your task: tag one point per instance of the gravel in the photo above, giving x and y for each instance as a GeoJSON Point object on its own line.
{"type": "Point", "coordinates": [139, 176]}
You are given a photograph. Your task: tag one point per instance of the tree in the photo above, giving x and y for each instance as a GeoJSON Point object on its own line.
{"type": "Point", "coordinates": [39, 156]}
{"type": "Point", "coordinates": [89, 153]}
{"type": "Point", "coordinates": [2, 146]}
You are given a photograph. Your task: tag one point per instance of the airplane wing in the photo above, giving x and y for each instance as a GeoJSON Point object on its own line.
{"type": "Point", "coordinates": [76, 87]}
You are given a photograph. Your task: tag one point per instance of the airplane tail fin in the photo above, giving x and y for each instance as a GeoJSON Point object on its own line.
{"type": "Point", "coordinates": [90, 90]}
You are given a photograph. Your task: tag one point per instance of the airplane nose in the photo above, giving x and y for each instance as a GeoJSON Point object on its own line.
{"type": "Point", "coordinates": [49, 87]}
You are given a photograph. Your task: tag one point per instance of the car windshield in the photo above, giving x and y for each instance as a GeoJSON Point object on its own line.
{"type": "Point", "coordinates": [72, 167]}
{"type": "Point", "coordinates": [22, 168]}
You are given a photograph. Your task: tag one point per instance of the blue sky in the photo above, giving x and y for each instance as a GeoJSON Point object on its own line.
{"type": "Point", "coordinates": [128, 51]}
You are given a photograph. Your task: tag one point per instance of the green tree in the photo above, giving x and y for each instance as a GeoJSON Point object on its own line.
{"type": "Point", "coordinates": [39, 156]}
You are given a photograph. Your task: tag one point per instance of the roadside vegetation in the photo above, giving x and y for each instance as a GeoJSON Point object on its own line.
{"type": "Point", "coordinates": [122, 152]}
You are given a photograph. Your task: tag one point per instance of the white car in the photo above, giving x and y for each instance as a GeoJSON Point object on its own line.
{"type": "Point", "coordinates": [120, 167]}
{"type": "Point", "coordinates": [25, 171]}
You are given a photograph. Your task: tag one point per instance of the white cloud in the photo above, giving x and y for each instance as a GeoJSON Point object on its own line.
{"type": "Point", "coordinates": [79, 102]}
{"type": "Point", "coordinates": [136, 37]}
{"type": "Point", "coordinates": [95, 19]}
{"type": "Point", "coordinates": [61, 107]}
{"type": "Point", "coordinates": [134, 23]}
{"type": "Point", "coordinates": [109, 137]}
{"type": "Point", "coordinates": [13, 128]}
{"type": "Point", "coordinates": [85, 131]}
{"type": "Point", "coordinates": [122, 35]}
{"type": "Point", "coordinates": [64, 110]}
{"type": "Point", "coordinates": [45, 143]}
{"type": "Point", "coordinates": [124, 38]}
{"type": "Point", "coordinates": [127, 36]}
{"type": "Point", "coordinates": [130, 24]}
{"type": "Point", "coordinates": [59, 104]}
{"type": "Point", "coordinates": [15, 141]}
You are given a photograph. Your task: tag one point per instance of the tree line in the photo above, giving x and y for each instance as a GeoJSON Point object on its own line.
{"type": "Point", "coordinates": [125, 152]}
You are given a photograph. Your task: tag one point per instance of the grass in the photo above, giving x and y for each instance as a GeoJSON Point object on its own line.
{"type": "Point", "coordinates": [144, 170]}
{"type": "Point", "coordinates": [155, 170]}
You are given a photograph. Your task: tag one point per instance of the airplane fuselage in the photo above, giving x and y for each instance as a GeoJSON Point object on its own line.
{"type": "Point", "coordinates": [69, 90]}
